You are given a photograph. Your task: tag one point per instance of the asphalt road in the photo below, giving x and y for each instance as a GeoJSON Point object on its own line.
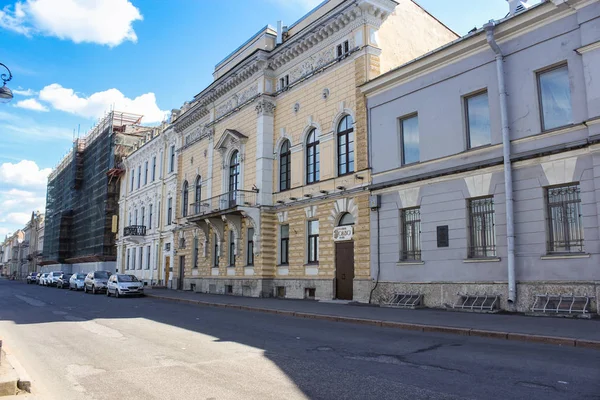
{"type": "Point", "coordinates": [78, 346]}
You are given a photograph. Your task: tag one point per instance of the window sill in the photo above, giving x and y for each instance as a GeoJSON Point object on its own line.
{"type": "Point", "coordinates": [312, 264]}
{"type": "Point", "coordinates": [481, 260]}
{"type": "Point", "coordinates": [411, 262]}
{"type": "Point", "coordinates": [564, 256]}
{"type": "Point", "coordinates": [249, 270]}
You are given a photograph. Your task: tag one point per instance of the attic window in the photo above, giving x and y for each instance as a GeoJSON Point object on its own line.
{"type": "Point", "coordinates": [343, 49]}
{"type": "Point", "coordinates": [284, 82]}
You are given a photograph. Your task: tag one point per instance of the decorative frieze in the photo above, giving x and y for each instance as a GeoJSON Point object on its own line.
{"type": "Point", "coordinates": [265, 107]}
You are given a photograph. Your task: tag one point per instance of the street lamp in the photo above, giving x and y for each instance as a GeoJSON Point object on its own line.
{"type": "Point", "coordinates": [6, 94]}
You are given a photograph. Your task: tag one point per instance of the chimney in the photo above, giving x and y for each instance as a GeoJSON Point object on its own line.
{"type": "Point", "coordinates": [279, 32]}
{"type": "Point", "coordinates": [517, 6]}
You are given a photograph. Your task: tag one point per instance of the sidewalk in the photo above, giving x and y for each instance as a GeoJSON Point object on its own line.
{"type": "Point", "coordinates": [561, 331]}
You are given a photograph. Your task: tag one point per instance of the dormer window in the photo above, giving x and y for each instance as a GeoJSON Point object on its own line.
{"type": "Point", "coordinates": [343, 49]}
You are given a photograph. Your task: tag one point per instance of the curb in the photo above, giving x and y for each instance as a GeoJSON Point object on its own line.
{"type": "Point", "coordinates": [521, 337]}
{"type": "Point", "coordinates": [23, 381]}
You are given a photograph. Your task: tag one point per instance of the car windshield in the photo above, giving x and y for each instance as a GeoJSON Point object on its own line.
{"type": "Point", "coordinates": [80, 276]}
{"type": "Point", "coordinates": [127, 278]}
{"type": "Point", "coordinates": [101, 275]}
{"type": "Point", "coordinates": [57, 273]}
{"type": "Point", "coordinates": [67, 276]}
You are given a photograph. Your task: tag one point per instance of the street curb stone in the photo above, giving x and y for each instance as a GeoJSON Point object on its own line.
{"type": "Point", "coordinates": [522, 337]}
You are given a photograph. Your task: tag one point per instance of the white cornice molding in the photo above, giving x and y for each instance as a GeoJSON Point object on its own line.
{"type": "Point", "coordinates": [588, 48]}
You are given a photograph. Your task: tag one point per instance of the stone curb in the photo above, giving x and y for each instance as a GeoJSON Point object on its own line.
{"type": "Point", "coordinates": [522, 337]}
{"type": "Point", "coordinates": [23, 381]}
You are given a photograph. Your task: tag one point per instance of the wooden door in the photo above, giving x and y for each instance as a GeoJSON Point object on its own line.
{"type": "Point", "coordinates": [344, 270]}
{"type": "Point", "coordinates": [167, 268]}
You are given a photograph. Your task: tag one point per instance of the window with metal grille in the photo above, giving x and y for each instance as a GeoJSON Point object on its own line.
{"type": "Point", "coordinates": [482, 235]}
{"type": "Point", "coordinates": [250, 247]}
{"type": "Point", "coordinates": [285, 244]}
{"type": "Point", "coordinates": [565, 228]}
{"type": "Point", "coordinates": [410, 223]}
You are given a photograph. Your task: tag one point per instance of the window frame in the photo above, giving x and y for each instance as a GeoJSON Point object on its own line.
{"type": "Point", "coordinates": [234, 177]}
{"type": "Point", "coordinates": [128, 259]}
{"type": "Point", "coordinates": [287, 157]}
{"type": "Point", "coordinates": [141, 253]}
{"type": "Point", "coordinates": [284, 260]}
{"type": "Point", "coordinates": [145, 173]}
{"type": "Point", "coordinates": [485, 249]}
{"type": "Point", "coordinates": [198, 194]}
{"type": "Point", "coordinates": [139, 183]}
{"type": "Point", "coordinates": [415, 252]}
{"type": "Point", "coordinates": [215, 251]}
{"type": "Point", "coordinates": [169, 211]}
{"type": "Point", "coordinates": [312, 242]}
{"type": "Point", "coordinates": [195, 254]}
{"type": "Point", "coordinates": [538, 74]}
{"type": "Point", "coordinates": [148, 254]}
{"type": "Point", "coordinates": [316, 164]}
{"type": "Point", "coordinates": [153, 168]}
{"type": "Point", "coordinates": [185, 197]}
{"type": "Point", "coordinates": [402, 148]}
{"type": "Point", "coordinates": [172, 159]}
{"type": "Point", "coordinates": [467, 120]}
{"type": "Point", "coordinates": [570, 242]}
{"type": "Point", "coordinates": [150, 216]}
{"type": "Point", "coordinates": [232, 255]}
{"type": "Point", "coordinates": [348, 155]}
{"type": "Point", "coordinates": [250, 247]}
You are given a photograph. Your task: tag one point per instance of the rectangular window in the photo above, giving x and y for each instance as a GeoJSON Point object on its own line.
{"type": "Point", "coordinates": [139, 176]}
{"type": "Point", "coordinates": [128, 258]}
{"type": "Point", "coordinates": [140, 265]}
{"type": "Point", "coordinates": [169, 211]}
{"type": "Point", "coordinates": [172, 159]}
{"type": "Point", "coordinates": [130, 218]}
{"type": "Point", "coordinates": [150, 217]}
{"type": "Point", "coordinates": [195, 255]}
{"type": "Point", "coordinates": [158, 219]}
{"type": "Point", "coordinates": [216, 252]}
{"type": "Point", "coordinates": [156, 258]}
{"type": "Point", "coordinates": [482, 235]}
{"type": "Point", "coordinates": [153, 168]}
{"type": "Point", "coordinates": [146, 173]}
{"type": "Point", "coordinates": [231, 249]}
{"type": "Point", "coordinates": [162, 165]}
{"type": "Point", "coordinates": [250, 247]}
{"type": "Point", "coordinates": [555, 97]}
{"type": "Point", "coordinates": [313, 242]}
{"type": "Point", "coordinates": [477, 110]}
{"type": "Point", "coordinates": [133, 251]}
{"type": "Point", "coordinates": [148, 250]}
{"type": "Point", "coordinates": [136, 217]}
{"type": "Point", "coordinates": [565, 228]}
{"type": "Point", "coordinates": [132, 172]}
{"type": "Point", "coordinates": [410, 235]}
{"type": "Point", "coordinates": [285, 244]}
{"type": "Point", "coordinates": [409, 137]}
{"type": "Point", "coordinates": [346, 47]}
{"type": "Point", "coordinates": [143, 216]}
{"type": "Point", "coordinates": [343, 49]}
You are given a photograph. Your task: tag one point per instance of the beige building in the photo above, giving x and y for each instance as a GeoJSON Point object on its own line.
{"type": "Point", "coordinates": [273, 169]}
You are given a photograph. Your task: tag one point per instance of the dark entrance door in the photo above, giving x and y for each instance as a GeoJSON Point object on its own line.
{"type": "Point", "coordinates": [344, 270]}
{"type": "Point", "coordinates": [181, 272]}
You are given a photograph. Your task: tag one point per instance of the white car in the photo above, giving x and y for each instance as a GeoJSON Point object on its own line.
{"type": "Point", "coordinates": [76, 281]}
{"type": "Point", "coordinates": [43, 278]}
{"type": "Point", "coordinates": [124, 285]}
{"type": "Point", "coordinates": [52, 278]}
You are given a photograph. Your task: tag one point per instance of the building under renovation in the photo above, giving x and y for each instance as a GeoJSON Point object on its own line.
{"type": "Point", "coordinates": [83, 194]}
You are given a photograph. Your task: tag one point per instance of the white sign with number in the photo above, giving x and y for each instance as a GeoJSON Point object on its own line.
{"type": "Point", "coordinates": [342, 233]}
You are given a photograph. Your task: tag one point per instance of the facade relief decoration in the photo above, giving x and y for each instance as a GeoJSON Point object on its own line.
{"type": "Point", "coordinates": [265, 107]}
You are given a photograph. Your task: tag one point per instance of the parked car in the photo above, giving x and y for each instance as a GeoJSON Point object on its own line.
{"type": "Point", "coordinates": [52, 279]}
{"type": "Point", "coordinates": [124, 285]}
{"type": "Point", "coordinates": [32, 278]}
{"type": "Point", "coordinates": [42, 280]}
{"type": "Point", "coordinates": [76, 281]}
{"type": "Point", "coordinates": [96, 281]}
{"type": "Point", "coordinates": [63, 281]}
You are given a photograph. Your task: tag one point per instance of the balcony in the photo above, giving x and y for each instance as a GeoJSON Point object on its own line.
{"type": "Point", "coordinates": [226, 202]}
{"type": "Point", "coordinates": [134, 230]}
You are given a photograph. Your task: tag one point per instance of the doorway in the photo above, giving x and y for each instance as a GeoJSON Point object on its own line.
{"type": "Point", "coordinates": [167, 268]}
{"type": "Point", "coordinates": [344, 270]}
{"type": "Point", "coordinates": [181, 272]}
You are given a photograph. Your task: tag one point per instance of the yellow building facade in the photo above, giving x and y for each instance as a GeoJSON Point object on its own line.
{"type": "Point", "coordinates": [273, 168]}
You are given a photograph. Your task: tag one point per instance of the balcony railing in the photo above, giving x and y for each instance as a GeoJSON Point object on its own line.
{"type": "Point", "coordinates": [134, 230]}
{"type": "Point", "coordinates": [223, 202]}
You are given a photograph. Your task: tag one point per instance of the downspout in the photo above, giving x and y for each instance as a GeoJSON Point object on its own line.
{"type": "Point", "coordinates": [508, 184]}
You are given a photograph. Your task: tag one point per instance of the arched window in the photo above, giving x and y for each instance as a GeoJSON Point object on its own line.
{"type": "Point", "coordinates": [346, 220]}
{"type": "Point", "coordinates": [345, 143]}
{"type": "Point", "coordinates": [312, 157]}
{"type": "Point", "coordinates": [234, 178]}
{"type": "Point", "coordinates": [185, 199]}
{"type": "Point", "coordinates": [198, 189]}
{"type": "Point", "coordinates": [284, 166]}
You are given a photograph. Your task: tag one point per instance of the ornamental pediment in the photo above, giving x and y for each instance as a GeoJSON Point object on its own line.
{"type": "Point", "coordinates": [230, 138]}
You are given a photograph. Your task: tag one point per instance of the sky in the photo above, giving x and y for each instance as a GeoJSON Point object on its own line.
{"type": "Point", "coordinates": [74, 60]}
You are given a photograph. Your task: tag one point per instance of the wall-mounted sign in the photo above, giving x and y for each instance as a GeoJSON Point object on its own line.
{"type": "Point", "coordinates": [342, 233]}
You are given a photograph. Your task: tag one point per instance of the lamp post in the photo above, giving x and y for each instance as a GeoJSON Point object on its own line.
{"type": "Point", "coordinates": [6, 94]}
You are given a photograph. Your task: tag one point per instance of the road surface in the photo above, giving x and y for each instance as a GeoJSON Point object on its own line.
{"type": "Point", "coordinates": [83, 346]}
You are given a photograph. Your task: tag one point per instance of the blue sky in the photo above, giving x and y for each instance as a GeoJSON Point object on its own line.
{"type": "Point", "coordinates": [73, 59]}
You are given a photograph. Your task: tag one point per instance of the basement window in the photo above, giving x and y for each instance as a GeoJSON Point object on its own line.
{"type": "Point", "coordinates": [309, 293]}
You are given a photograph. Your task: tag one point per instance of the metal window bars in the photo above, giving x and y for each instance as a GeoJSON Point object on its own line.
{"type": "Point", "coordinates": [411, 234]}
{"type": "Point", "coordinates": [477, 302]}
{"type": "Point", "coordinates": [404, 300]}
{"type": "Point", "coordinates": [564, 303]}
{"type": "Point", "coordinates": [482, 234]}
{"type": "Point", "coordinates": [565, 228]}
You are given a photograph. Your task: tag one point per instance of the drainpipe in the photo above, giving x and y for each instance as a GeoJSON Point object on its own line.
{"type": "Point", "coordinates": [508, 184]}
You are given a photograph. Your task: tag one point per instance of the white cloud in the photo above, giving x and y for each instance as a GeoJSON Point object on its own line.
{"type": "Point", "coordinates": [17, 218]}
{"type": "Point", "coordinates": [31, 104]}
{"type": "Point", "coordinates": [106, 22]}
{"type": "Point", "coordinates": [96, 105]}
{"type": "Point", "coordinates": [24, 174]}
{"type": "Point", "coordinates": [26, 93]}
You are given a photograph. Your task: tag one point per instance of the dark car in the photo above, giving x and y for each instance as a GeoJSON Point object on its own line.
{"type": "Point", "coordinates": [96, 281]}
{"type": "Point", "coordinates": [63, 281]}
{"type": "Point", "coordinates": [32, 277]}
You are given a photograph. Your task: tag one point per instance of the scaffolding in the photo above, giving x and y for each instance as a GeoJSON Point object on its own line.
{"type": "Point", "coordinates": [83, 195]}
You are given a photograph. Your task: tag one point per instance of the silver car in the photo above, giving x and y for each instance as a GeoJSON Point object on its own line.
{"type": "Point", "coordinates": [43, 278]}
{"type": "Point", "coordinates": [96, 281]}
{"type": "Point", "coordinates": [124, 285]}
{"type": "Point", "coordinates": [76, 281]}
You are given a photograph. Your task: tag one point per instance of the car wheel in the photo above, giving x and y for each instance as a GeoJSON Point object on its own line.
{"type": "Point", "coordinates": [84, 288]}
{"type": "Point", "coordinates": [93, 289]}
{"type": "Point", "coordinates": [107, 292]}
{"type": "Point", "coordinates": [117, 293]}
